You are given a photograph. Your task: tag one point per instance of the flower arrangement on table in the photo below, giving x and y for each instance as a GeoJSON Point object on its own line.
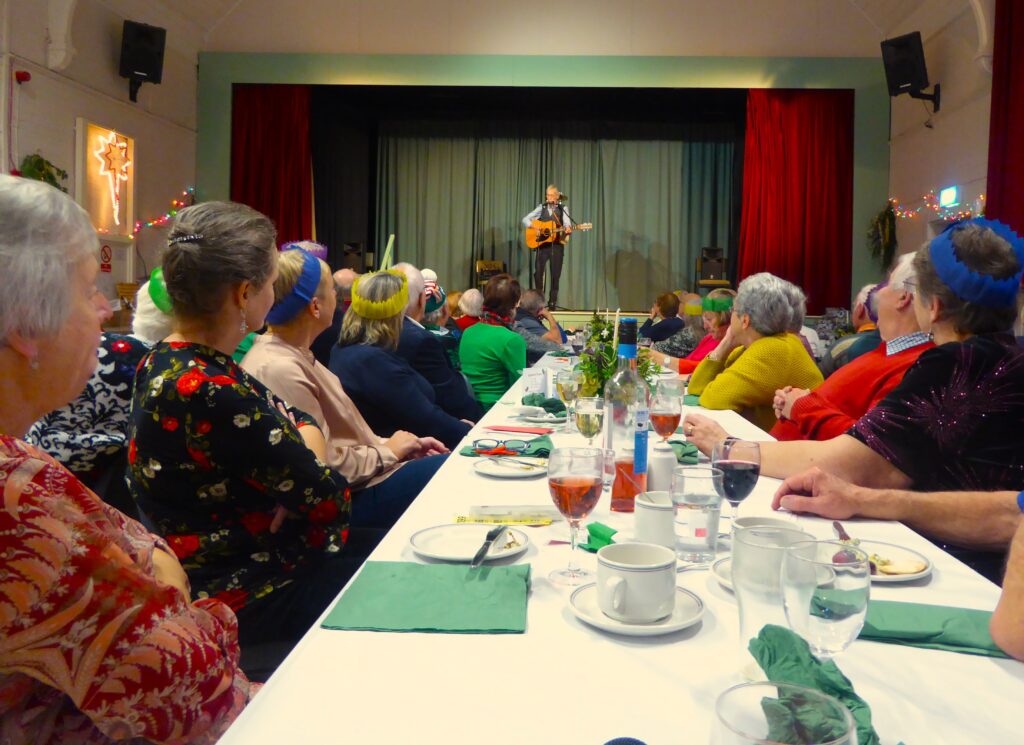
{"type": "Point", "coordinates": [599, 357]}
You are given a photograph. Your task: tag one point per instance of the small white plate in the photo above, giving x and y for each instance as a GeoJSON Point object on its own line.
{"type": "Point", "coordinates": [508, 469]}
{"type": "Point", "coordinates": [545, 419]}
{"type": "Point", "coordinates": [722, 569]}
{"type": "Point", "coordinates": [894, 552]}
{"type": "Point", "coordinates": [688, 611]}
{"type": "Point", "coordinates": [461, 541]}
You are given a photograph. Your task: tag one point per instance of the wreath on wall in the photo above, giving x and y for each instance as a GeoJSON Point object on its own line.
{"type": "Point", "coordinates": [37, 167]}
{"type": "Point", "coordinates": [882, 236]}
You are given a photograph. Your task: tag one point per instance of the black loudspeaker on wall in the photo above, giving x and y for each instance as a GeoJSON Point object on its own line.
{"type": "Point", "coordinates": [142, 55]}
{"type": "Point", "coordinates": [905, 70]}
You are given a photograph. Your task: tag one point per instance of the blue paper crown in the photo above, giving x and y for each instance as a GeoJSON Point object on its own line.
{"type": "Point", "coordinates": [969, 285]}
{"type": "Point", "coordinates": [301, 294]}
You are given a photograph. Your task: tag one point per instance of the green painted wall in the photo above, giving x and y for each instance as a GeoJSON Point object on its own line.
{"type": "Point", "coordinates": [219, 71]}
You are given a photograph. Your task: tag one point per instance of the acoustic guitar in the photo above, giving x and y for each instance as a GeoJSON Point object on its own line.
{"type": "Point", "coordinates": [545, 232]}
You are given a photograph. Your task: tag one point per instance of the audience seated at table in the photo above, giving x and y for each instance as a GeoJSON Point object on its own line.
{"type": "Point", "coordinates": [471, 307]}
{"type": "Point", "coordinates": [390, 395]}
{"type": "Point", "coordinates": [386, 474]}
{"type": "Point", "coordinates": [436, 318]}
{"type": "Point", "coordinates": [837, 404]}
{"type": "Point", "coordinates": [493, 355]}
{"type": "Point", "coordinates": [954, 421]}
{"type": "Point", "coordinates": [427, 356]}
{"type": "Point", "coordinates": [101, 641]}
{"type": "Point", "coordinates": [665, 311]}
{"type": "Point", "coordinates": [756, 356]}
{"type": "Point", "coordinates": [324, 344]}
{"type": "Point", "coordinates": [716, 313]}
{"type": "Point", "coordinates": [865, 337]}
{"type": "Point", "coordinates": [684, 341]}
{"type": "Point", "coordinates": [235, 480]}
{"type": "Point", "coordinates": [529, 323]}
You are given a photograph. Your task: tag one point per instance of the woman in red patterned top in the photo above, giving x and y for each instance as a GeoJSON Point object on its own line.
{"type": "Point", "coordinates": [98, 638]}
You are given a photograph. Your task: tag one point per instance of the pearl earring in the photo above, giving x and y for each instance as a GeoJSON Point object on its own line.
{"type": "Point", "coordinates": [243, 327]}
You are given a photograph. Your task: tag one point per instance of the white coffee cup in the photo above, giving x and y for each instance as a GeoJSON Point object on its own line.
{"type": "Point", "coordinates": [636, 582]}
{"type": "Point", "coordinates": [756, 521]}
{"type": "Point", "coordinates": [653, 515]}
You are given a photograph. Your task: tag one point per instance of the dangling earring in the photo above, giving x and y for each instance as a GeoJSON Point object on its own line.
{"type": "Point", "coordinates": [243, 327]}
{"type": "Point", "coordinates": [33, 363]}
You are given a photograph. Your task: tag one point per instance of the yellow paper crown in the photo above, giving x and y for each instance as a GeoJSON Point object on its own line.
{"type": "Point", "coordinates": [376, 310]}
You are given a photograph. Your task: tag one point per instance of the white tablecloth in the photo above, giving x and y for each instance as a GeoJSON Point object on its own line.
{"type": "Point", "coordinates": [565, 682]}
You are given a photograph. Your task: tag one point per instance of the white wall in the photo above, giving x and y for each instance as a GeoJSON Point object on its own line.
{"type": "Point", "coordinates": [45, 109]}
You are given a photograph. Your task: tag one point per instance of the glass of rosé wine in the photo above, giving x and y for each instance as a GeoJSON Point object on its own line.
{"type": "Point", "coordinates": [575, 480]}
{"type": "Point", "coordinates": [666, 408]}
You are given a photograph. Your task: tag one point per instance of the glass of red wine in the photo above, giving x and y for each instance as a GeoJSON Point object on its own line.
{"type": "Point", "coordinates": [666, 408]}
{"type": "Point", "coordinates": [575, 478]}
{"type": "Point", "coordinates": [740, 463]}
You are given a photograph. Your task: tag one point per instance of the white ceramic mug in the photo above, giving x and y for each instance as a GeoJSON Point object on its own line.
{"type": "Point", "coordinates": [636, 582]}
{"type": "Point", "coordinates": [653, 515]}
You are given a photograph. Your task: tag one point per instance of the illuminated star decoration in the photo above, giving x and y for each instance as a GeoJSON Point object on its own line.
{"type": "Point", "coordinates": [114, 162]}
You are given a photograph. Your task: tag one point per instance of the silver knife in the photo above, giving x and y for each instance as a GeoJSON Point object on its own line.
{"type": "Point", "coordinates": [492, 535]}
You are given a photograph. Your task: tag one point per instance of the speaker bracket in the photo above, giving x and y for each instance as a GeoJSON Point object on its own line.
{"type": "Point", "coordinates": [934, 97]}
{"type": "Point", "coordinates": [133, 88]}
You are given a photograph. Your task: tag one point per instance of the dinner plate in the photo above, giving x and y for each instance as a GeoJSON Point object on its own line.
{"type": "Point", "coordinates": [894, 552]}
{"type": "Point", "coordinates": [688, 611]}
{"type": "Point", "coordinates": [461, 541]}
{"type": "Point", "coordinates": [507, 468]}
{"type": "Point", "coordinates": [544, 419]}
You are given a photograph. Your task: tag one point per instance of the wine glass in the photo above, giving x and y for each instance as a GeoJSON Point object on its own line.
{"type": "Point", "coordinates": [762, 713]}
{"type": "Point", "coordinates": [740, 463]}
{"type": "Point", "coordinates": [589, 417]}
{"type": "Point", "coordinates": [825, 590]}
{"type": "Point", "coordinates": [567, 383]}
{"type": "Point", "coordinates": [666, 408]}
{"type": "Point", "coordinates": [574, 479]}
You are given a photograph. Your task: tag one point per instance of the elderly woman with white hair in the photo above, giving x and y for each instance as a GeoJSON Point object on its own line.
{"type": "Point", "coordinates": [472, 306]}
{"type": "Point", "coordinates": [757, 355]}
{"type": "Point", "coordinates": [87, 577]}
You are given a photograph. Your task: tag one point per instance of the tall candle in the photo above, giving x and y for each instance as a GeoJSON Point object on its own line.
{"type": "Point", "coordinates": [615, 338]}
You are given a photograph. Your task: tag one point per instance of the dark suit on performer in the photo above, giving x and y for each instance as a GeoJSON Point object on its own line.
{"type": "Point", "coordinates": [553, 252]}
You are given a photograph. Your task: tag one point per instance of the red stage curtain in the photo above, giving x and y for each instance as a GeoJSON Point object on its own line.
{"type": "Point", "coordinates": [797, 219]}
{"type": "Point", "coordinates": [271, 164]}
{"type": "Point", "coordinates": [1005, 199]}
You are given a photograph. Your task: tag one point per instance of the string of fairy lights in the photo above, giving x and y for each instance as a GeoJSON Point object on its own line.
{"type": "Point", "coordinates": [185, 199]}
{"type": "Point", "coordinates": [930, 205]}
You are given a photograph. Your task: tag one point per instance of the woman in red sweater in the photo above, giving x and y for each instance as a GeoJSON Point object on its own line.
{"type": "Point", "coordinates": [717, 313]}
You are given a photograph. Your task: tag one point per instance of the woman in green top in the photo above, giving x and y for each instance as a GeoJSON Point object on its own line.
{"type": "Point", "coordinates": [493, 355]}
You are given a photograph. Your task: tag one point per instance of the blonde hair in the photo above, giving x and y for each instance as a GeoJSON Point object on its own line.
{"type": "Point", "coordinates": [384, 332]}
{"type": "Point", "coordinates": [453, 304]}
{"type": "Point", "coordinates": [289, 269]}
{"type": "Point", "coordinates": [722, 317]}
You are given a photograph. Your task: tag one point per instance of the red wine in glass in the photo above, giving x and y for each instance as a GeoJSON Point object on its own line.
{"type": "Point", "coordinates": [665, 423]}
{"type": "Point", "coordinates": [738, 478]}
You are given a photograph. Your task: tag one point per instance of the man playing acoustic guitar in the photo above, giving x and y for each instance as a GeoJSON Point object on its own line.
{"type": "Point", "coordinates": [552, 246]}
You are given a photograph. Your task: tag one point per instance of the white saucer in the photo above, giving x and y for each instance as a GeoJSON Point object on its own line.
{"type": "Point", "coordinates": [688, 611]}
{"type": "Point", "coordinates": [894, 552]}
{"type": "Point", "coordinates": [509, 469]}
{"type": "Point", "coordinates": [546, 419]}
{"type": "Point", "coordinates": [461, 541]}
{"type": "Point", "coordinates": [722, 569]}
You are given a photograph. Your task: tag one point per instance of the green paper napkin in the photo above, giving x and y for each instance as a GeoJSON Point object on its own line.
{"type": "Point", "coordinates": [691, 400]}
{"type": "Point", "coordinates": [686, 452]}
{"type": "Point", "coordinates": [961, 630]}
{"type": "Point", "coordinates": [446, 598]}
{"type": "Point", "coordinates": [550, 405]}
{"type": "Point", "coordinates": [538, 447]}
{"type": "Point", "coordinates": [786, 658]}
{"type": "Point", "coordinates": [599, 536]}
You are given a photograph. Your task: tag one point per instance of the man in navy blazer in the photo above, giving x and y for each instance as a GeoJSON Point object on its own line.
{"type": "Point", "coordinates": [426, 355]}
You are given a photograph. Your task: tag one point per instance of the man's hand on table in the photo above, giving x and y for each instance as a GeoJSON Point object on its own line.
{"type": "Point", "coordinates": [818, 492]}
{"type": "Point", "coordinates": [703, 432]}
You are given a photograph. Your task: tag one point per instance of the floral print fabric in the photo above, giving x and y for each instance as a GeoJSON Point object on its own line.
{"type": "Point", "coordinates": [211, 458]}
{"type": "Point", "coordinates": [93, 648]}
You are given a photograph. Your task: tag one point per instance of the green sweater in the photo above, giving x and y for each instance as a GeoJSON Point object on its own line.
{"type": "Point", "coordinates": [493, 358]}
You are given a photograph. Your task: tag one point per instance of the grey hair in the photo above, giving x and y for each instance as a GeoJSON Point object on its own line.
{"type": "Point", "coordinates": [149, 323]}
{"type": "Point", "coordinates": [862, 295]}
{"type": "Point", "coordinates": [43, 236]}
{"type": "Point", "coordinates": [797, 304]}
{"type": "Point", "coordinates": [763, 297]}
{"type": "Point", "coordinates": [212, 247]}
{"type": "Point", "coordinates": [435, 317]}
{"type": "Point", "coordinates": [472, 302]}
{"type": "Point", "coordinates": [531, 301]}
{"type": "Point", "coordinates": [416, 284]}
{"type": "Point", "coordinates": [382, 332]}
{"type": "Point", "coordinates": [903, 272]}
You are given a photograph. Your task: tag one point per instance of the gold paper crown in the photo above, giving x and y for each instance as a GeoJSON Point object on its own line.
{"type": "Point", "coordinates": [376, 310]}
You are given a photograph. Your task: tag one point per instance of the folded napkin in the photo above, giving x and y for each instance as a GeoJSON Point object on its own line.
{"type": "Point", "coordinates": [961, 630]}
{"type": "Point", "coordinates": [599, 536]}
{"type": "Point", "coordinates": [550, 405]}
{"type": "Point", "coordinates": [786, 658]}
{"type": "Point", "coordinates": [686, 452]}
{"type": "Point", "coordinates": [538, 447]}
{"type": "Point", "coordinates": [446, 598]}
{"type": "Point", "coordinates": [691, 400]}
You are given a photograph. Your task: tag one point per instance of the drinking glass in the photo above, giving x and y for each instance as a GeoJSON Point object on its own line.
{"type": "Point", "coordinates": [757, 555]}
{"type": "Point", "coordinates": [574, 480]}
{"type": "Point", "coordinates": [589, 417]}
{"type": "Point", "coordinates": [825, 590]}
{"type": "Point", "coordinates": [697, 498]}
{"type": "Point", "coordinates": [765, 714]}
{"type": "Point", "coordinates": [666, 408]}
{"type": "Point", "coordinates": [567, 383]}
{"type": "Point", "coordinates": [740, 463]}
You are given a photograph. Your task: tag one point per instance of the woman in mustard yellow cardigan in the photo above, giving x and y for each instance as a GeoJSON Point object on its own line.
{"type": "Point", "coordinates": [757, 355]}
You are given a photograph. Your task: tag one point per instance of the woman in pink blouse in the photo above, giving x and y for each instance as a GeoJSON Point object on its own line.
{"type": "Point", "coordinates": [99, 640]}
{"type": "Point", "coordinates": [717, 312]}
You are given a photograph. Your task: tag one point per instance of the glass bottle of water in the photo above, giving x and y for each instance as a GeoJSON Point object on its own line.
{"type": "Point", "coordinates": [627, 412]}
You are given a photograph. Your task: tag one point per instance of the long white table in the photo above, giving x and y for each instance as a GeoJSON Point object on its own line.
{"type": "Point", "coordinates": [565, 682]}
